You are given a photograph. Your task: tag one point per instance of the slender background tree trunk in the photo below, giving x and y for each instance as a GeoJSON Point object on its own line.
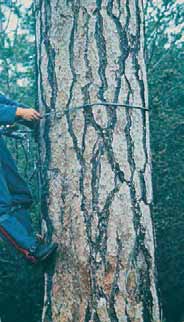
{"type": "Point", "coordinates": [96, 182]}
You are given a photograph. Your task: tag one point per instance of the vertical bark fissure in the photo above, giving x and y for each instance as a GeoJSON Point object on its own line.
{"type": "Point", "coordinates": [140, 233]}
{"type": "Point", "coordinates": [145, 293]}
{"type": "Point", "coordinates": [44, 181]}
{"type": "Point", "coordinates": [114, 290]}
{"type": "Point", "coordinates": [51, 56]}
{"type": "Point", "coordinates": [45, 22]}
{"type": "Point", "coordinates": [123, 44]}
{"type": "Point", "coordinates": [44, 27]}
{"type": "Point", "coordinates": [95, 198]}
{"type": "Point", "coordinates": [101, 47]}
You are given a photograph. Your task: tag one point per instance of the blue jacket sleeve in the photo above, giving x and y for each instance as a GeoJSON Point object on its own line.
{"type": "Point", "coordinates": [8, 109]}
{"type": "Point", "coordinates": [6, 101]}
{"type": "Point", "coordinates": [7, 114]}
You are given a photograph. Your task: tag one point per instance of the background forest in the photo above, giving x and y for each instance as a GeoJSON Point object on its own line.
{"type": "Point", "coordinates": [164, 52]}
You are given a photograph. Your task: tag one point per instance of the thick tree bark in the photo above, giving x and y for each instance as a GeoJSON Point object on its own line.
{"type": "Point", "coordinates": [96, 162]}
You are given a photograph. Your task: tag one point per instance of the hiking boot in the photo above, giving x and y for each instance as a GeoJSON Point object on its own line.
{"type": "Point", "coordinates": [41, 252]}
{"type": "Point", "coordinates": [25, 241]}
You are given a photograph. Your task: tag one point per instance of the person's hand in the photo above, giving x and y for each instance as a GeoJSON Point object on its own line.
{"type": "Point", "coordinates": [29, 114]}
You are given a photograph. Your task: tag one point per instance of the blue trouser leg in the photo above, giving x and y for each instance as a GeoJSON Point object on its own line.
{"type": "Point", "coordinates": [10, 226]}
{"type": "Point", "coordinates": [16, 233]}
{"type": "Point", "coordinates": [18, 189]}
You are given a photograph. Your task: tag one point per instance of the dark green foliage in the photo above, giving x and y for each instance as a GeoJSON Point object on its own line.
{"type": "Point", "coordinates": [165, 60]}
{"type": "Point", "coordinates": [17, 49]}
{"type": "Point", "coordinates": [21, 295]}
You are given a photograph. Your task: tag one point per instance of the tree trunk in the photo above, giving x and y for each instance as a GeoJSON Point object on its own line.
{"type": "Point", "coordinates": [96, 187]}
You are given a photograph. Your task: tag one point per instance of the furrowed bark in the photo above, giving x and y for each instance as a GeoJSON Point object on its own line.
{"type": "Point", "coordinates": [96, 188]}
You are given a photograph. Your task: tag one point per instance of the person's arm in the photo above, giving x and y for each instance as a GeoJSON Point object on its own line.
{"type": "Point", "coordinates": [11, 111]}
